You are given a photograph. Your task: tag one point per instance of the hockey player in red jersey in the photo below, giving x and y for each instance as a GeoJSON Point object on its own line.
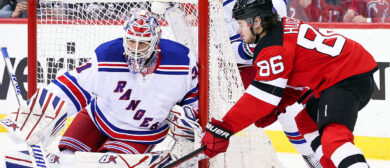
{"type": "Point", "coordinates": [243, 54]}
{"type": "Point", "coordinates": [293, 54]}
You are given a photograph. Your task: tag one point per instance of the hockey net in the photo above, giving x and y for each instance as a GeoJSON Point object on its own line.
{"type": "Point", "coordinates": [68, 31]}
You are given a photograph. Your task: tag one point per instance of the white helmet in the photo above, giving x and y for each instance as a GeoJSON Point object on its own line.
{"type": "Point", "coordinates": [142, 35]}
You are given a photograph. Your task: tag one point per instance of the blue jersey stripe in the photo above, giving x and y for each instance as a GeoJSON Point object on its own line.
{"type": "Point", "coordinates": [68, 93]}
{"type": "Point", "coordinates": [235, 37]}
{"type": "Point", "coordinates": [82, 68]}
{"type": "Point", "coordinates": [241, 52]}
{"type": "Point", "coordinates": [171, 73]}
{"type": "Point", "coordinates": [113, 70]}
{"type": "Point", "coordinates": [74, 80]}
{"type": "Point", "coordinates": [194, 90]}
{"type": "Point", "coordinates": [95, 120]}
{"type": "Point", "coordinates": [189, 101]}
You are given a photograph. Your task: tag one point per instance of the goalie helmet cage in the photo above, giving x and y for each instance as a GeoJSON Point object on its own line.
{"type": "Point", "coordinates": [66, 32]}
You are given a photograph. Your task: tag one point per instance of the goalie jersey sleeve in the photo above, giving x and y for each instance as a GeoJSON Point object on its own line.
{"type": "Point", "coordinates": [191, 97]}
{"type": "Point", "coordinates": [76, 87]}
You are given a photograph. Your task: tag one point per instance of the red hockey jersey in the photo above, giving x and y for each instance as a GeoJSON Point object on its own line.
{"type": "Point", "coordinates": [296, 55]}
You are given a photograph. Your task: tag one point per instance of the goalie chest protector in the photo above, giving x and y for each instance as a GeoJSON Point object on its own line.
{"type": "Point", "coordinates": [129, 106]}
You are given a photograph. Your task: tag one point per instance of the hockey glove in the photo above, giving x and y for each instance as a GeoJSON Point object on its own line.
{"type": "Point", "coordinates": [267, 120]}
{"type": "Point", "coordinates": [216, 138]}
{"type": "Point", "coordinates": [183, 123]}
{"type": "Point", "coordinates": [41, 121]}
{"type": "Point", "coordinates": [185, 129]}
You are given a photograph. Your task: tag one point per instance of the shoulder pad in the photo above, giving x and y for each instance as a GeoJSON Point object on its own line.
{"type": "Point", "coordinates": [173, 53]}
{"type": "Point", "coordinates": [111, 51]}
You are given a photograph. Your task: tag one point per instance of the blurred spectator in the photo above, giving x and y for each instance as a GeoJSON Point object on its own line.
{"type": "Point", "coordinates": [13, 8]}
{"type": "Point", "coordinates": [319, 10]}
{"type": "Point", "coordinates": [89, 11]}
{"type": "Point", "coordinates": [368, 11]}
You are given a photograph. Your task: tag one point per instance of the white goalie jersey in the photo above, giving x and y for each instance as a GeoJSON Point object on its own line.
{"type": "Point", "coordinates": [130, 106]}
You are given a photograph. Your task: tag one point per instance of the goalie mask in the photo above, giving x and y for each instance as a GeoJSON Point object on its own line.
{"type": "Point", "coordinates": [140, 42]}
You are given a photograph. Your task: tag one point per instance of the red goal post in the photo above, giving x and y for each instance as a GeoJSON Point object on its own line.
{"type": "Point", "coordinates": [66, 31]}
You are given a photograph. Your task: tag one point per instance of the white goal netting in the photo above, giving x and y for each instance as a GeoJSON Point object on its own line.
{"type": "Point", "coordinates": [70, 30]}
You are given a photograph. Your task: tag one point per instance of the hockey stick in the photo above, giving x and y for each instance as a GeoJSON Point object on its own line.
{"type": "Point", "coordinates": [186, 157]}
{"type": "Point", "coordinates": [35, 151]}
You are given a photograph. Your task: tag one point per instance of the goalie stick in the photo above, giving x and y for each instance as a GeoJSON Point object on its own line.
{"type": "Point", "coordinates": [35, 151]}
{"type": "Point", "coordinates": [186, 157]}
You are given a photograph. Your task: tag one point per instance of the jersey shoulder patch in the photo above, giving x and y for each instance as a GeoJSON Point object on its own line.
{"type": "Point", "coordinates": [111, 51]}
{"type": "Point", "coordinates": [274, 37]}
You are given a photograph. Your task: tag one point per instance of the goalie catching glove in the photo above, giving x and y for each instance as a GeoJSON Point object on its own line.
{"type": "Point", "coordinates": [40, 121]}
{"type": "Point", "coordinates": [183, 123]}
{"type": "Point", "coordinates": [216, 138]}
{"type": "Point", "coordinates": [185, 129]}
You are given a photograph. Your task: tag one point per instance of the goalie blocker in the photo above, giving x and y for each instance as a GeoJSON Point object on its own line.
{"type": "Point", "coordinates": [42, 124]}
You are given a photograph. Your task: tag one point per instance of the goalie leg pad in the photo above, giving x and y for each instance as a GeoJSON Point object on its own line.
{"type": "Point", "coordinates": [88, 159]}
{"type": "Point", "coordinates": [16, 159]}
{"type": "Point", "coordinates": [93, 159]}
